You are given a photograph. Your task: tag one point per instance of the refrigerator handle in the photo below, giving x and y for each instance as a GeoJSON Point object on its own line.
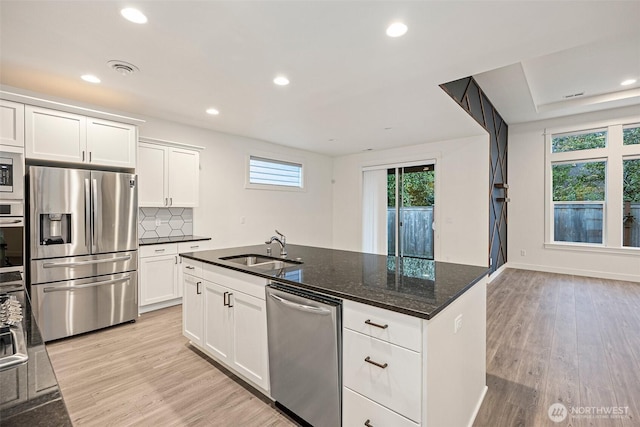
{"type": "Point", "coordinates": [87, 213]}
{"type": "Point", "coordinates": [94, 210]}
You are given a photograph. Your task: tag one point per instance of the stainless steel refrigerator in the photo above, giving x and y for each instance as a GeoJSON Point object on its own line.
{"type": "Point", "coordinates": [83, 249]}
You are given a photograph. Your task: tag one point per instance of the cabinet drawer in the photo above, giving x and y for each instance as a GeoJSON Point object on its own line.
{"type": "Point", "coordinates": [396, 383]}
{"type": "Point", "coordinates": [358, 410]}
{"type": "Point", "coordinates": [386, 325]}
{"type": "Point", "coordinates": [200, 245]}
{"type": "Point", "coordinates": [155, 250]}
{"type": "Point", "coordinates": [191, 267]}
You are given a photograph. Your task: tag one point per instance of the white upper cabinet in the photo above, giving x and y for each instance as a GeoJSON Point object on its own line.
{"type": "Point", "coordinates": [55, 135]}
{"type": "Point", "coordinates": [111, 143]}
{"type": "Point", "coordinates": [168, 176]}
{"type": "Point", "coordinates": [11, 123]}
{"type": "Point", "coordinates": [183, 179]}
{"type": "Point", "coordinates": [64, 137]}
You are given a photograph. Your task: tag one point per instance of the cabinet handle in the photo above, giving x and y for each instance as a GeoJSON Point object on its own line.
{"type": "Point", "coordinates": [166, 201]}
{"type": "Point", "coordinates": [190, 267]}
{"type": "Point", "coordinates": [377, 325]}
{"type": "Point", "coordinates": [170, 201]}
{"type": "Point", "coordinates": [176, 260]}
{"type": "Point", "coordinates": [368, 423]}
{"type": "Point", "coordinates": [89, 156]}
{"type": "Point", "coordinates": [194, 247]}
{"type": "Point", "coordinates": [224, 299]}
{"type": "Point", "coordinates": [198, 291]}
{"type": "Point", "coordinates": [83, 155]}
{"type": "Point", "coordinates": [230, 295]}
{"type": "Point", "coordinates": [160, 250]}
{"type": "Point", "coordinates": [379, 365]}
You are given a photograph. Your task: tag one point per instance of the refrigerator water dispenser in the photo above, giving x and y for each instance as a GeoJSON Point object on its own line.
{"type": "Point", "coordinates": [55, 229]}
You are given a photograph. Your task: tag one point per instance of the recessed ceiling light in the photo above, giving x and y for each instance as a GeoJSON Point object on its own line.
{"type": "Point", "coordinates": [213, 111]}
{"type": "Point", "coordinates": [628, 82]}
{"type": "Point", "coordinates": [397, 29]}
{"type": "Point", "coordinates": [133, 15]}
{"type": "Point", "coordinates": [281, 81]}
{"type": "Point", "coordinates": [90, 78]}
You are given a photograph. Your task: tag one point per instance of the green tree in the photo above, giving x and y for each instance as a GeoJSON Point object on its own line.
{"type": "Point", "coordinates": [418, 187]}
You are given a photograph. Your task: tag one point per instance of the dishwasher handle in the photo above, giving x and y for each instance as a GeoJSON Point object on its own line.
{"type": "Point", "coordinates": [301, 307]}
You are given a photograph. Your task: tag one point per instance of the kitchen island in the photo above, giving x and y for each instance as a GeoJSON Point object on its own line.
{"type": "Point", "coordinates": [423, 321]}
{"type": "Point", "coordinates": [30, 395]}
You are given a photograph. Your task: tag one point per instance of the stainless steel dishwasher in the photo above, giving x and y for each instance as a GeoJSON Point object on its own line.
{"type": "Point", "coordinates": [305, 353]}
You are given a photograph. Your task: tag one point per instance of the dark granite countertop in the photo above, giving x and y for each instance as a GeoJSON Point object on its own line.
{"type": "Point", "coordinates": [30, 392]}
{"type": "Point", "coordinates": [170, 239]}
{"type": "Point", "coordinates": [413, 286]}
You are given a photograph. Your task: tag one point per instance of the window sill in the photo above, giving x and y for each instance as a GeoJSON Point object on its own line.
{"type": "Point", "coordinates": [593, 249]}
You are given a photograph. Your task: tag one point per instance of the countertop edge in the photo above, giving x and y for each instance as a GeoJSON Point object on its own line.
{"type": "Point", "coordinates": [395, 308]}
{"type": "Point", "coordinates": [193, 239]}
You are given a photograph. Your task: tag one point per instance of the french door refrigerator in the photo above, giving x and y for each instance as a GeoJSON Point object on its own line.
{"type": "Point", "coordinates": [83, 249]}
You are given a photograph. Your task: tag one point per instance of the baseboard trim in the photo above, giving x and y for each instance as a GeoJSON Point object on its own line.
{"type": "Point", "coordinates": [498, 272]}
{"type": "Point", "coordinates": [577, 272]}
{"type": "Point", "coordinates": [478, 405]}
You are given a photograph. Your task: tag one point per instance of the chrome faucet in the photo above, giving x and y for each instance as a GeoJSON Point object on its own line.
{"type": "Point", "coordinates": [282, 240]}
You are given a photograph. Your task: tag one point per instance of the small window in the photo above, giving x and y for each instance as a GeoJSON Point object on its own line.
{"type": "Point", "coordinates": [631, 134]}
{"type": "Point", "coordinates": [578, 141]}
{"type": "Point", "coordinates": [263, 171]}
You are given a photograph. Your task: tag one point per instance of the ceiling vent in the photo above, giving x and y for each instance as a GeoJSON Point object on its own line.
{"type": "Point", "coordinates": [573, 95]}
{"type": "Point", "coordinates": [122, 67]}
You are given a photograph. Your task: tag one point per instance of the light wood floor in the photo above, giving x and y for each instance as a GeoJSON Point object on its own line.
{"type": "Point", "coordinates": [550, 338]}
{"type": "Point", "coordinates": [146, 374]}
{"type": "Point", "coordinates": [555, 338]}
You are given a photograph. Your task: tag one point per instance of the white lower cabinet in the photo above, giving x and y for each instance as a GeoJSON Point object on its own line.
{"type": "Point", "coordinates": [224, 314]}
{"type": "Point", "coordinates": [158, 275]}
{"type": "Point", "coordinates": [360, 411]}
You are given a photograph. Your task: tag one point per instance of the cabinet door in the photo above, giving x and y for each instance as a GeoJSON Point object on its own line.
{"type": "Point", "coordinates": [250, 353]}
{"type": "Point", "coordinates": [192, 322]}
{"type": "Point", "coordinates": [218, 320]}
{"type": "Point", "coordinates": [54, 135]}
{"type": "Point", "coordinates": [153, 163]}
{"type": "Point", "coordinates": [183, 180]}
{"type": "Point", "coordinates": [11, 123]}
{"type": "Point", "coordinates": [158, 279]}
{"type": "Point", "coordinates": [111, 143]}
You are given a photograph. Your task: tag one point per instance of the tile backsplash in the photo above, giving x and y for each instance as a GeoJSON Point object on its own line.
{"type": "Point", "coordinates": [165, 222]}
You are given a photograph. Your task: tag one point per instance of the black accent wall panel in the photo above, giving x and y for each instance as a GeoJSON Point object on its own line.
{"type": "Point", "coordinates": [470, 97]}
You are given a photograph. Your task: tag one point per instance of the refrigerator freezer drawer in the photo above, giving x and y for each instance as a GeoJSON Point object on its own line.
{"type": "Point", "coordinates": [80, 267]}
{"type": "Point", "coordinates": [76, 306]}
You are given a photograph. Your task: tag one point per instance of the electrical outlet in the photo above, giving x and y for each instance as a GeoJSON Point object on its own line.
{"type": "Point", "coordinates": [158, 222]}
{"type": "Point", "coordinates": [523, 252]}
{"type": "Point", "coordinates": [457, 324]}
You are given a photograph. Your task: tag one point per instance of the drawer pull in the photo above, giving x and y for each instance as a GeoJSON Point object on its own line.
{"type": "Point", "coordinates": [194, 247]}
{"type": "Point", "coordinates": [379, 365]}
{"type": "Point", "coordinates": [160, 250]}
{"type": "Point", "coordinates": [368, 423]}
{"type": "Point", "coordinates": [190, 267]}
{"type": "Point", "coordinates": [370, 323]}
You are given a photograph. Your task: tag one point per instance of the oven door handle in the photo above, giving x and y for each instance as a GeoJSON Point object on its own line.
{"type": "Point", "coordinates": [16, 222]}
{"type": "Point", "coordinates": [87, 285]}
{"type": "Point", "coordinates": [83, 263]}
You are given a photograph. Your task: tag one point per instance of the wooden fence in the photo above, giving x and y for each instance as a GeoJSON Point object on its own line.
{"type": "Point", "coordinates": [583, 223]}
{"type": "Point", "coordinates": [417, 231]}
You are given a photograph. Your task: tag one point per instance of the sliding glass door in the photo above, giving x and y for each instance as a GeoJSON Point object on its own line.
{"type": "Point", "coordinates": [398, 210]}
{"type": "Point", "coordinates": [410, 204]}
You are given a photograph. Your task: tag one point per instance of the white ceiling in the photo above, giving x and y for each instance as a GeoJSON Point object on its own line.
{"type": "Point", "coordinates": [349, 81]}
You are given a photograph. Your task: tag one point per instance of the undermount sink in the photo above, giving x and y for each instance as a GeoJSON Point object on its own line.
{"type": "Point", "coordinates": [261, 261]}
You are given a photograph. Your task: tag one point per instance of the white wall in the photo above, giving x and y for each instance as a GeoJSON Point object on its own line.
{"type": "Point", "coordinates": [526, 210]}
{"type": "Point", "coordinates": [462, 198]}
{"type": "Point", "coordinates": [304, 217]}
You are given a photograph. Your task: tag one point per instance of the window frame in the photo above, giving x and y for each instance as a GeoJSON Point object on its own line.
{"type": "Point", "coordinates": [275, 158]}
{"type": "Point", "coordinates": [613, 154]}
